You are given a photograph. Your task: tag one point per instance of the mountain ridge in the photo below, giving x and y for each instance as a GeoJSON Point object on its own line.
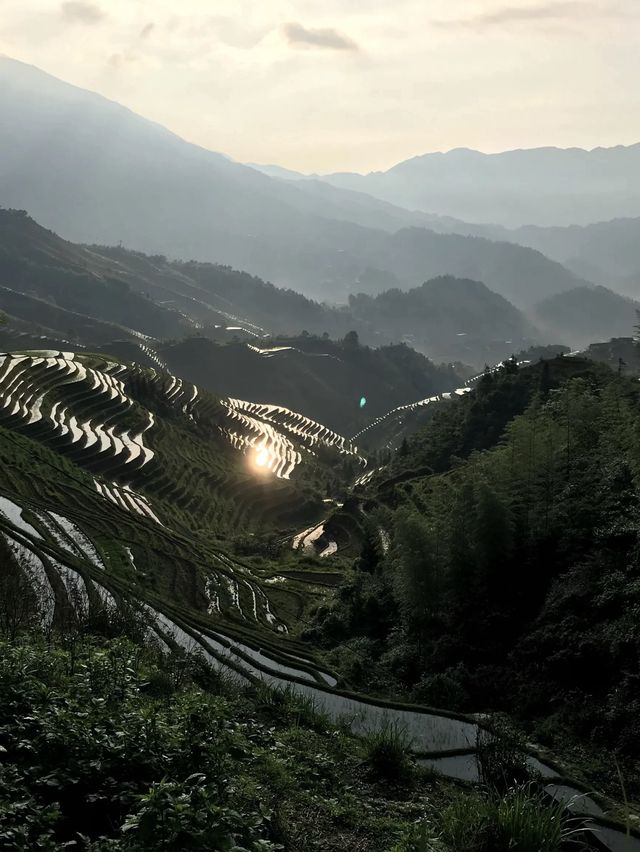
{"type": "Point", "coordinates": [121, 179]}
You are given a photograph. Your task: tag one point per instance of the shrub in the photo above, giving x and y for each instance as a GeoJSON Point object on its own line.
{"type": "Point", "coordinates": [501, 756]}
{"type": "Point", "coordinates": [286, 704]}
{"type": "Point", "coordinates": [466, 823]}
{"type": "Point", "coordinates": [387, 752]}
{"type": "Point", "coordinates": [188, 816]}
{"type": "Point", "coordinates": [441, 690]}
{"type": "Point", "coordinates": [416, 838]}
{"type": "Point", "coordinates": [527, 822]}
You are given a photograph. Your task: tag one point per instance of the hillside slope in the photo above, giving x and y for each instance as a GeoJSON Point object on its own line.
{"type": "Point", "coordinates": [120, 490]}
{"type": "Point", "coordinates": [325, 380]}
{"type": "Point", "coordinates": [587, 314]}
{"type": "Point", "coordinates": [499, 563]}
{"type": "Point", "coordinates": [54, 284]}
{"type": "Point", "coordinates": [67, 279]}
{"type": "Point", "coordinates": [451, 318]}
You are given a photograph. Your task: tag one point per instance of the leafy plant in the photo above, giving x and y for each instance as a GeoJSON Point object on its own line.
{"type": "Point", "coordinates": [188, 816]}
{"type": "Point", "coordinates": [501, 756]}
{"type": "Point", "coordinates": [525, 821]}
{"type": "Point", "coordinates": [416, 838]}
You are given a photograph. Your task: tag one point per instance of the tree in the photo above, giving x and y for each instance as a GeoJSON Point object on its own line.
{"type": "Point", "coordinates": [403, 450]}
{"type": "Point", "coordinates": [351, 340]}
{"type": "Point", "coordinates": [20, 607]}
{"type": "Point", "coordinates": [370, 552]}
{"type": "Point", "coordinates": [419, 575]}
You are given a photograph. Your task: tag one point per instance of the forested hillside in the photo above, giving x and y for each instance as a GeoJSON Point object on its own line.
{"type": "Point", "coordinates": [449, 318]}
{"type": "Point", "coordinates": [511, 578]}
{"type": "Point", "coordinates": [139, 515]}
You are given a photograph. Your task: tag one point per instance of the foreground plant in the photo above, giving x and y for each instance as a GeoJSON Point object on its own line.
{"type": "Point", "coordinates": [387, 752]}
{"type": "Point", "coordinates": [523, 820]}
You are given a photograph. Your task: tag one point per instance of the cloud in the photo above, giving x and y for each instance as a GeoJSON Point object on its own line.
{"type": "Point", "coordinates": [146, 31]}
{"type": "Point", "coordinates": [84, 12]}
{"type": "Point", "coordinates": [330, 39]}
{"type": "Point", "coordinates": [544, 12]}
{"type": "Point", "coordinates": [121, 60]}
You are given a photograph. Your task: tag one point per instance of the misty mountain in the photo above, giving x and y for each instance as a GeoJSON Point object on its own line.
{"type": "Point", "coordinates": [521, 275]}
{"type": "Point", "coordinates": [541, 186]}
{"type": "Point", "coordinates": [97, 173]}
{"type": "Point", "coordinates": [587, 314]}
{"type": "Point", "coordinates": [147, 180]}
{"type": "Point", "coordinates": [449, 318]}
{"type": "Point", "coordinates": [50, 282]}
{"type": "Point", "coordinates": [605, 252]}
{"type": "Point", "coordinates": [58, 285]}
{"type": "Point", "coordinates": [95, 294]}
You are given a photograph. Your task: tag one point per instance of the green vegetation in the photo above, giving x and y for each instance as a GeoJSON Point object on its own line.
{"type": "Point", "coordinates": [512, 579]}
{"type": "Point", "coordinates": [108, 745]}
{"type": "Point", "coordinates": [486, 548]}
{"type": "Point", "coordinates": [523, 820]}
{"type": "Point", "coordinates": [387, 752]}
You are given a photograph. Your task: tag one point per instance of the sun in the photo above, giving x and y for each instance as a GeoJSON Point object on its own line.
{"type": "Point", "coordinates": [262, 458]}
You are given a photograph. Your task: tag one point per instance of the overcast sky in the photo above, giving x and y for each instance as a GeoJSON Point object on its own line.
{"type": "Point", "coordinates": [356, 85]}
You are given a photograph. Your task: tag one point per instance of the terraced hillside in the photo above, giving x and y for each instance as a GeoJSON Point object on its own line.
{"type": "Point", "coordinates": [121, 421]}
{"type": "Point", "coordinates": [339, 383]}
{"type": "Point", "coordinates": [135, 481]}
{"type": "Point", "coordinates": [120, 486]}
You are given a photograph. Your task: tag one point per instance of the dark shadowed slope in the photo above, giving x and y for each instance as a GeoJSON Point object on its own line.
{"type": "Point", "coordinates": [320, 378]}
{"type": "Point", "coordinates": [54, 276]}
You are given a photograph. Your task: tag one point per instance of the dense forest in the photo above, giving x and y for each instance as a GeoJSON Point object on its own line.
{"type": "Point", "coordinates": [512, 577]}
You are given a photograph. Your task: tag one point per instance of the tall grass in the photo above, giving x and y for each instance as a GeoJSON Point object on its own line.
{"type": "Point", "coordinates": [502, 756]}
{"type": "Point", "coordinates": [523, 820]}
{"type": "Point", "coordinates": [387, 752]}
{"type": "Point", "coordinates": [527, 822]}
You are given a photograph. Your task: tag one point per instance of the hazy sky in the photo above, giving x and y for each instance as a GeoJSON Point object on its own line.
{"type": "Point", "coordinates": [349, 84]}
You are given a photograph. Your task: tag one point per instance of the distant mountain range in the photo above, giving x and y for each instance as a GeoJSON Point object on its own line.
{"type": "Point", "coordinates": [541, 186]}
{"type": "Point", "coordinates": [606, 252]}
{"type": "Point", "coordinates": [93, 295]}
{"type": "Point", "coordinates": [97, 173]}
